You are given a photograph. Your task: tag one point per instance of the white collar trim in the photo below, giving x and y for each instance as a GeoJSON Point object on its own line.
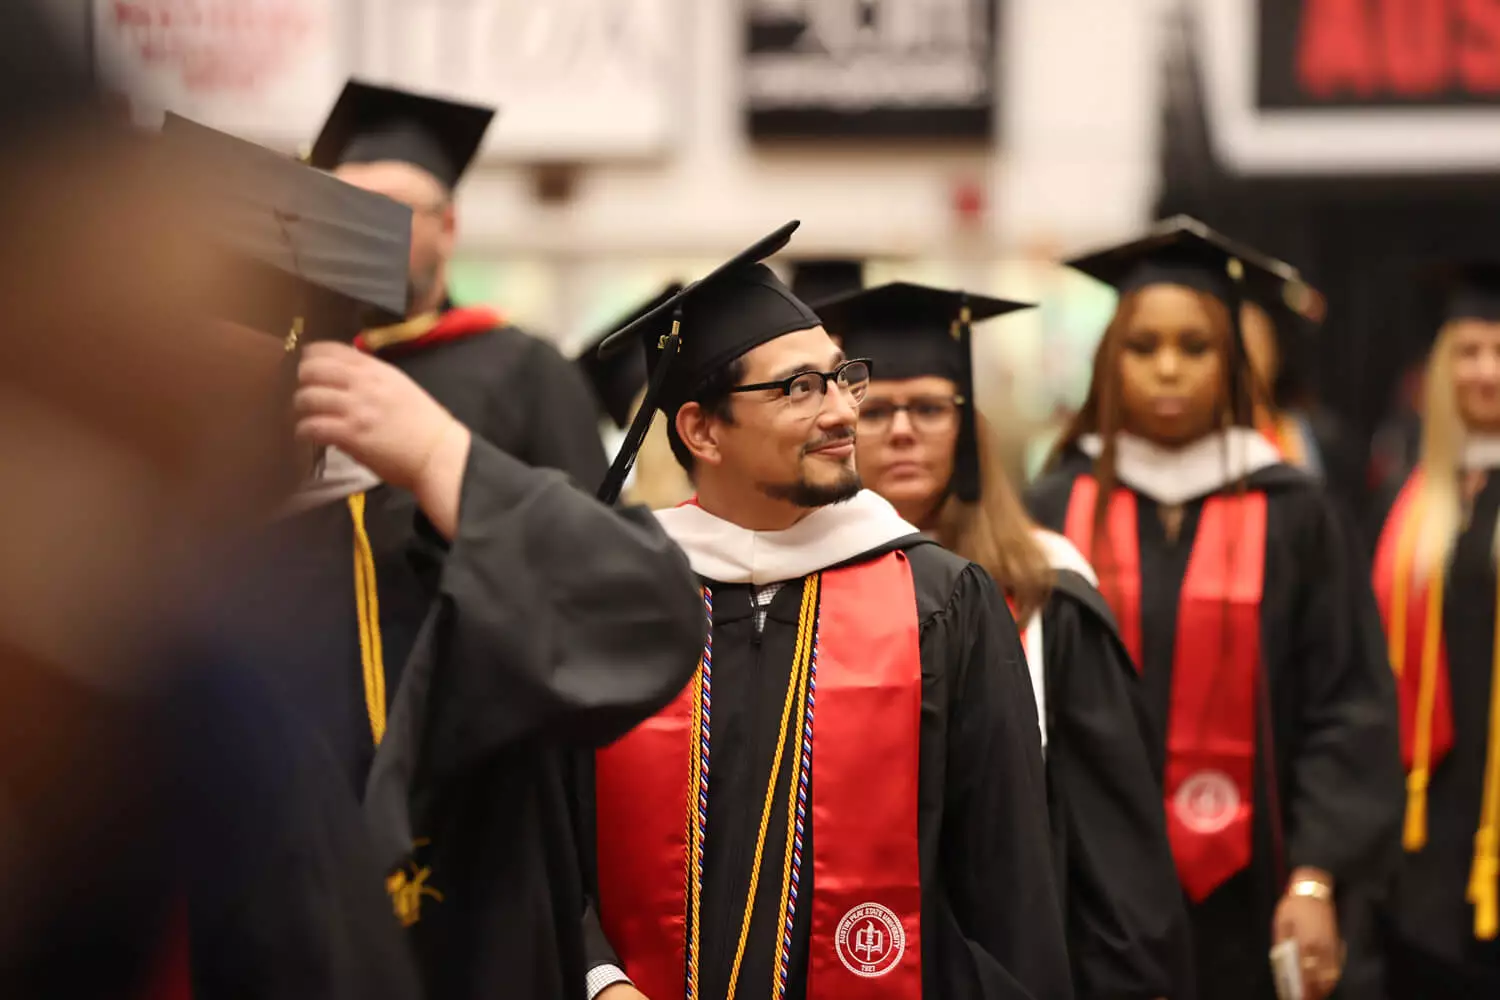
{"type": "Point", "coordinates": [727, 553]}
{"type": "Point", "coordinates": [1173, 476]}
{"type": "Point", "coordinates": [1482, 451]}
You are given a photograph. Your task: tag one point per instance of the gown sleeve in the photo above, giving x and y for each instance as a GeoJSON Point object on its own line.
{"type": "Point", "coordinates": [995, 852]}
{"type": "Point", "coordinates": [561, 429]}
{"type": "Point", "coordinates": [1345, 798]}
{"type": "Point", "coordinates": [557, 618]}
{"type": "Point", "coordinates": [1126, 922]}
{"type": "Point", "coordinates": [558, 622]}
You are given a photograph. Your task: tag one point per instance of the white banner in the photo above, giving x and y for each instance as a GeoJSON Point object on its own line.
{"type": "Point", "coordinates": [267, 70]}
{"type": "Point", "coordinates": [573, 79]}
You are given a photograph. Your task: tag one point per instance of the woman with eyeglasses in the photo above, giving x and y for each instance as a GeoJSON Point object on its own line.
{"type": "Point", "coordinates": [1243, 598]}
{"type": "Point", "coordinates": [925, 448]}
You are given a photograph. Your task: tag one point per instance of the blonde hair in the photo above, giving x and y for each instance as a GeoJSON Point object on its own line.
{"type": "Point", "coordinates": [995, 533]}
{"type": "Point", "coordinates": [1443, 433]}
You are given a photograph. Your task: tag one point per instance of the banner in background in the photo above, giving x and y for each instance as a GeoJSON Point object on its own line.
{"type": "Point", "coordinates": [267, 70]}
{"type": "Point", "coordinates": [1378, 53]}
{"type": "Point", "coordinates": [1338, 87]}
{"type": "Point", "coordinates": [870, 69]}
{"type": "Point", "coordinates": [575, 80]}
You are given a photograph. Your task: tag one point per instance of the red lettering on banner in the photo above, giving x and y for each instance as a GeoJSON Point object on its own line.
{"type": "Point", "coordinates": [1334, 50]}
{"type": "Point", "coordinates": [1414, 34]}
{"type": "Point", "coordinates": [1479, 46]}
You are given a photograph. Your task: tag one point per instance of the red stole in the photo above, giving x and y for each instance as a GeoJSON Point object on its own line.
{"type": "Point", "coordinates": [455, 324]}
{"type": "Point", "coordinates": [866, 900]}
{"type": "Point", "coordinates": [1210, 772]}
{"type": "Point", "coordinates": [1426, 735]}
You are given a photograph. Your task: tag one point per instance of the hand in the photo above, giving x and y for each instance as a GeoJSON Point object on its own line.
{"type": "Point", "coordinates": [620, 991]}
{"type": "Point", "coordinates": [372, 411]}
{"type": "Point", "coordinates": [384, 420]}
{"type": "Point", "coordinates": [1314, 925]}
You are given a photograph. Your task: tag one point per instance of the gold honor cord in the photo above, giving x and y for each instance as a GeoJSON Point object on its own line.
{"type": "Point", "coordinates": [1483, 890]}
{"type": "Point", "coordinates": [367, 602]}
{"type": "Point", "coordinates": [796, 693]}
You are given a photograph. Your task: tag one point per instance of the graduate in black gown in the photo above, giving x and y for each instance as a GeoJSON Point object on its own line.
{"type": "Point", "coordinates": [548, 621]}
{"type": "Point", "coordinates": [1242, 596]}
{"type": "Point", "coordinates": [1435, 579]}
{"type": "Point", "coordinates": [512, 389]}
{"type": "Point", "coordinates": [924, 446]}
{"type": "Point", "coordinates": [892, 843]}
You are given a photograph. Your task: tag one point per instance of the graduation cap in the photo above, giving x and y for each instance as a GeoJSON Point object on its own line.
{"type": "Point", "coordinates": [372, 124]}
{"type": "Point", "coordinates": [1470, 289]}
{"type": "Point", "coordinates": [619, 378]}
{"type": "Point", "coordinates": [910, 331]}
{"type": "Point", "coordinates": [1183, 251]}
{"type": "Point", "coordinates": [314, 258]}
{"type": "Point", "coordinates": [693, 334]}
{"type": "Point", "coordinates": [818, 280]}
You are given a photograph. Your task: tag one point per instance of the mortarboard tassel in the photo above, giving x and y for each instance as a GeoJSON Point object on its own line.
{"type": "Point", "coordinates": [966, 484]}
{"type": "Point", "coordinates": [619, 469]}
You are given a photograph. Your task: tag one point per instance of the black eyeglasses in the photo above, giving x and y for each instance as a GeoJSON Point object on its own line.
{"type": "Point", "coordinates": [852, 377]}
{"type": "Point", "coordinates": [927, 414]}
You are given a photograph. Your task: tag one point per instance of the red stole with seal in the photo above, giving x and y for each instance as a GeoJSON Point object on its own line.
{"type": "Point", "coordinates": [1210, 772]}
{"type": "Point", "coordinates": [1412, 610]}
{"type": "Point", "coordinates": [866, 938]}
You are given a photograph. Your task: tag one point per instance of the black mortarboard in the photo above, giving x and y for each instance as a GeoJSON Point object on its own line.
{"type": "Point", "coordinates": [1183, 251]}
{"type": "Point", "coordinates": [1471, 290]}
{"type": "Point", "coordinates": [308, 251]}
{"type": "Point", "coordinates": [817, 280]}
{"type": "Point", "coordinates": [1294, 308]}
{"type": "Point", "coordinates": [729, 312]}
{"type": "Point", "coordinates": [619, 378]}
{"type": "Point", "coordinates": [371, 124]}
{"type": "Point", "coordinates": [909, 331]}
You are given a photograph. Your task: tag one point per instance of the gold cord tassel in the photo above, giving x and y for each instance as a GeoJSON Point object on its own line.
{"type": "Point", "coordinates": [1483, 891]}
{"type": "Point", "coordinates": [367, 604]}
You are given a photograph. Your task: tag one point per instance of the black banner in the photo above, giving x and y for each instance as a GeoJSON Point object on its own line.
{"type": "Point", "coordinates": [1378, 53]}
{"type": "Point", "coordinates": [874, 69]}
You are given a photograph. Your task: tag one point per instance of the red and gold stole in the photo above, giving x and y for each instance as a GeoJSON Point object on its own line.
{"type": "Point", "coordinates": [1412, 610]}
{"type": "Point", "coordinates": [860, 627]}
{"type": "Point", "coordinates": [1210, 772]}
{"type": "Point", "coordinates": [427, 330]}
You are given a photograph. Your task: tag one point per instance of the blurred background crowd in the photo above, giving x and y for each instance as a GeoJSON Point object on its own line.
{"type": "Point", "coordinates": [963, 143]}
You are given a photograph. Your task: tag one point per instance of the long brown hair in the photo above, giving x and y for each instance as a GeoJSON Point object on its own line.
{"type": "Point", "coordinates": [1102, 413]}
{"type": "Point", "coordinates": [996, 533]}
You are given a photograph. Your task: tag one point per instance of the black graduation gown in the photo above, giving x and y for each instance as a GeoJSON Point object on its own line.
{"type": "Point", "coordinates": [1127, 926]}
{"type": "Point", "coordinates": [1428, 911]}
{"type": "Point", "coordinates": [1336, 755]}
{"type": "Point", "coordinates": [556, 623]}
{"type": "Point", "coordinates": [519, 393]}
{"type": "Point", "coordinates": [991, 926]}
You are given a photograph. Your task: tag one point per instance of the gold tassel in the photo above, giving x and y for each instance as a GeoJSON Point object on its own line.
{"type": "Point", "coordinates": [367, 605]}
{"type": "Point", "coordinates": [1483, 891]}
{"type": "Point", "coordinates": [1414, 837]}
